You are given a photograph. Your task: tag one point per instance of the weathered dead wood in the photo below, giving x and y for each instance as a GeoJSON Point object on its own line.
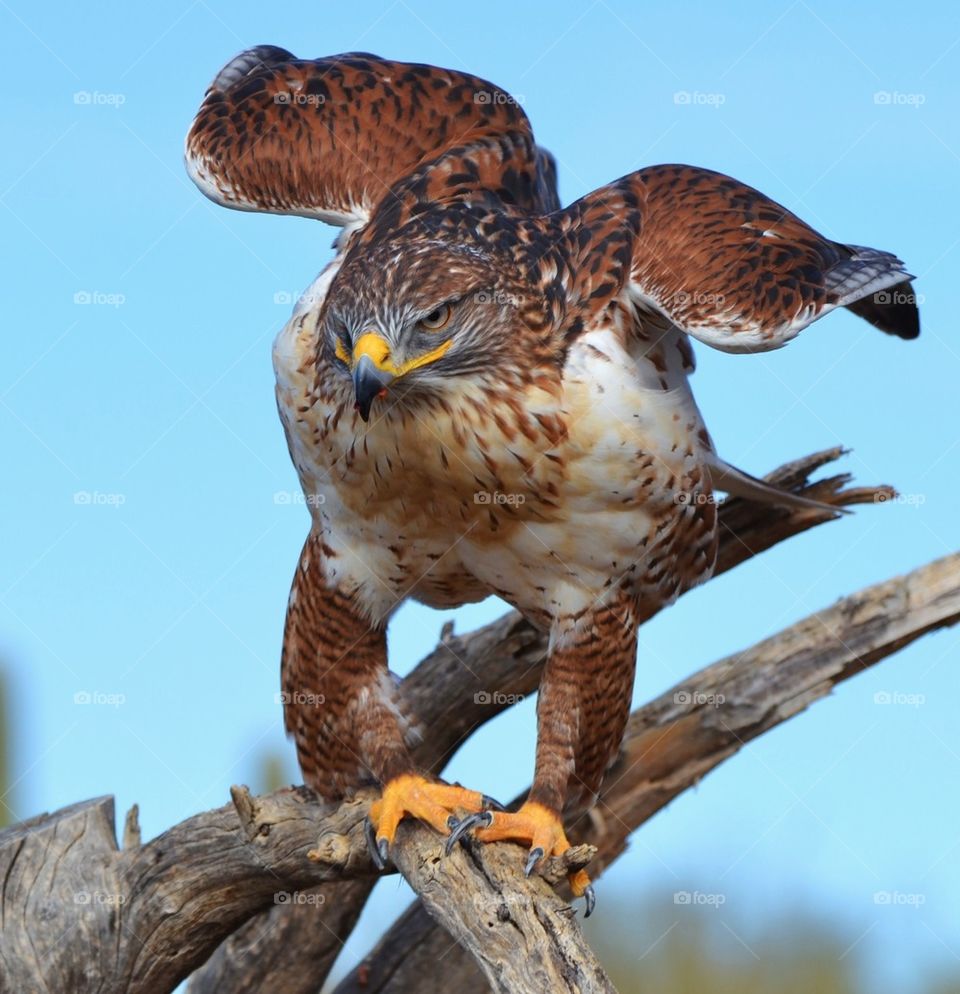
{"type": "Point", "coordinates": [294, 943]}
{"type": "Point", "coordinates": [673, 741]}
{"type": "Point", "coordinates": [162, 907]}
{"type": "Point", "coordinates": [150, 910]}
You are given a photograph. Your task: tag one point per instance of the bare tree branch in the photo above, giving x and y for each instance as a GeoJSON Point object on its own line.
{"type": "Point", "coordinates": [673, 741]}
{"type": "Point", "coordinates": [294, 943]}
{"type": "Point", "coordinates": [154, 911]}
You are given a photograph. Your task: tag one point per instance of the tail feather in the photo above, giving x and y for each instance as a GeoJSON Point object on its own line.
{"type": "Point", "coordinates": [740, 484]}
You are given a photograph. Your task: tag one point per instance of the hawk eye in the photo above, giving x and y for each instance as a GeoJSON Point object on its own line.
{"type": "Point", "coordinates": [341, 346]}
{"type": "Point", "coordinates": [438, 318]}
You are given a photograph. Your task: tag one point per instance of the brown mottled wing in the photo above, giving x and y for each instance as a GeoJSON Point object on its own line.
{"type": "Point", "coordinates": [725, 263]}
{"type": "Point", "coordinates": [329, 138]}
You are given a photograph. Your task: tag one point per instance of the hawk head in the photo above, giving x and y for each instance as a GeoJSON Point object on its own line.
{"type": "Point", "coordinates": [414, 314]}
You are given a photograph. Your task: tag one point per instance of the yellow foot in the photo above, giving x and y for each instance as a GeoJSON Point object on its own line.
{"type": "Point", "coordinates": [438, 804]}
{"type": "Point", "coordinates": [533, 825]}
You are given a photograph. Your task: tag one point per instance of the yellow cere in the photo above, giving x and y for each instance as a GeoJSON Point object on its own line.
{"type": "Point", "coordinates": [377, 351]}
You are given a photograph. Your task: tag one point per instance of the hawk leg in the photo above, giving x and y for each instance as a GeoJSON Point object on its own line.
{"type": "Point", "coordinates": [582, 712]}
{"type": "Point", "coordinates": [340, 707]}
{"type": "Point", "coordinates": [338, 696]}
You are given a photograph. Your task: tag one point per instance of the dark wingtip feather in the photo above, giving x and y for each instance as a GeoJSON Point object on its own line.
{"type": "Point", "coordinates": [893, 310]}
{"type": "Point", "coordinates": [247, 62]}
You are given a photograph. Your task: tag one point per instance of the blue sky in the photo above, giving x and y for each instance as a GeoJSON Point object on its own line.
{"type": "Point", "coordinates": [147, 532]}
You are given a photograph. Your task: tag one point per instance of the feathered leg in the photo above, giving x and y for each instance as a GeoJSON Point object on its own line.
{"type": "Point", "coordinates": [340, 707]}
{"type": "Point", "coordinates": [582, 712]}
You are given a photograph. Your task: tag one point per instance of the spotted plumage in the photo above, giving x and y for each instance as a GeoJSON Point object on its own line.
{"type": "Point", "coordinates": [485, 393]}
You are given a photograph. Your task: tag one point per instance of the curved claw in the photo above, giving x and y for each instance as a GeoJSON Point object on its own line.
{"type": "Point", "coordinates": [378, 850]}
{"type": "Point", "coordinates": [590, 896]}
{"type": "Point", "coordinates": [492, 803]}
{"type": "Point", "coordinates": [536, 854]}
{"type": "Point", "coordinates": [481, 818]}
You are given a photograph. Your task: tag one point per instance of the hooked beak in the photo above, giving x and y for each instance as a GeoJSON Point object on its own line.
{"type": "Point", "coordinates": [374, 368]}
{"type": "Point", "coordinates": [369, 382]}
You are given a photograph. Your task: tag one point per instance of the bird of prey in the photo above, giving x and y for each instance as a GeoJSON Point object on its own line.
{"type": "Point", "coordinates": [488, 393]}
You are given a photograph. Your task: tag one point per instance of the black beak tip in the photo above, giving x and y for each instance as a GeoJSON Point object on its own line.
{"type": "Point", "coordinates": [368, 384]}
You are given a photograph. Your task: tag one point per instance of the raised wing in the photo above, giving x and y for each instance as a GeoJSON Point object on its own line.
{"type": "Point", "coordinates": [726, 264]}
{"type": "Point", "coordinates": [330, 138]}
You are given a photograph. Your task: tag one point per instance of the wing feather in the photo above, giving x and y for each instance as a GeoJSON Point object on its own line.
{"type": "Point", "coordinates": [728, 265]}
{"type": "Point", "coordinates": [330, 138]}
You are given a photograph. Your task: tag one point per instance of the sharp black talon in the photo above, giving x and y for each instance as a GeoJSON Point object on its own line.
{"type": "Point", "coordinates": [536, 854]}
{"type": "Point", "coordinates": [380, 862]}
{"type": "Point", "coordinates": [487, 801]}
{"type": "Point", "coordinates": [590, 896]}
{"type": "Point", "coordinates": [383, 849]}
{"type": "Point", "coordinates": [481, 818]}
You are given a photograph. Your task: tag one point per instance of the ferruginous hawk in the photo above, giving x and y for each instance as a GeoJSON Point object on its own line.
{"type": "Point", "coordinates": [487, 393]}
